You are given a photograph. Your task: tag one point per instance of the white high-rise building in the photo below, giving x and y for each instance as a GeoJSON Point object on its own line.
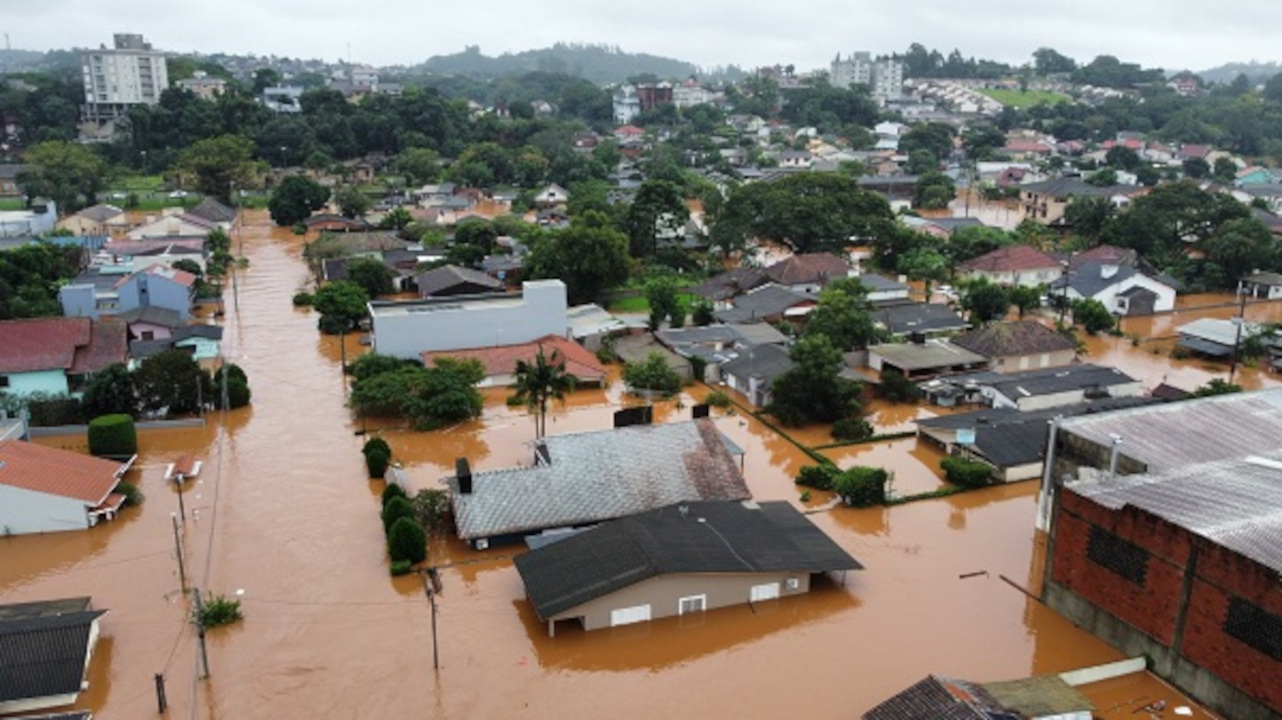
{"type": "Point", "coordinates": [884, 77]}
{"type": "Point", "coordinates": [130, 73]}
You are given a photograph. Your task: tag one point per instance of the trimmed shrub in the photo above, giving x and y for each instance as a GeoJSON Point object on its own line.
{"type": "Point", "coordinates": [819, 477]}
{"type": "Point", "coordinates": [133, 496]}
{"type": "Point", "coordinates": [401, 567]}
{"type": "Point", "coordinates": [376, 443]}
{"type": "Point", "coordinates": [392, 491]}
{"type": "Point", "coordinates": [238, 393]}
{"type": "Point", "coordinates": [966, 473]}
{"type": "Point", "coordinates": [113, 435]}
{"type": "Point", "coordinates": [898, 389]}
{"type": "Point", "coordinates": [718, 399]}
{"type": "Point", "coordinates": [406, 541]}
{"type": "Point", "coordinates": [861, 486]}
{"type": "Point", "coordinates": [854, 429]}
{"type": "Point", "coordinates": [303, 299]}
{"type": "Point", "coordinates": [395, 509]}
{"type": "Point", "coordinates": [376, 462]}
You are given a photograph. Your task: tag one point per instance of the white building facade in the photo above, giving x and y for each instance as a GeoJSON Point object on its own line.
{"type": "Point", "coordinates": [130, 73]}
{"type": "Point", "coordinates": [884, 77]}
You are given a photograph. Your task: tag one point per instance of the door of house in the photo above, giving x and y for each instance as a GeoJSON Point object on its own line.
{"type": "Point", "coordinates": [767, 591]}
{"type": "Point", "coordinates": [627, 616]}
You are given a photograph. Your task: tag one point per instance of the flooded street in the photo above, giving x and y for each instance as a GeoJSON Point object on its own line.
{"type": "Point", "coordinates": [284, 512]}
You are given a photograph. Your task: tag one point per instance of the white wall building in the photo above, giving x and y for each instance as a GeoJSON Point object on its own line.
{"type": "Point", "coordinates": [44, 489]}
{"type": "Point", "coordinates": [885, 77]}
{"type": "Point", "coordinates": [130, 73]}
{"type": "Point", "coordinates": [407, 329]}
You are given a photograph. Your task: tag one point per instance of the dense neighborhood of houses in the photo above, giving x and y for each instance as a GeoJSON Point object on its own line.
{"type": "Point", "coordinates": [1080, 332]}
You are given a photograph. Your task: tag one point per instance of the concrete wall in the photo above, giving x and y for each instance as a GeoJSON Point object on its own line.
{"type": "Point", "coordinates": [78, 301]}
{"type": "Point", "coordinates": [540, 310]}
{"type": "Point", "coordinates": [53, 382]}
{"type": "Point", "coordinates": [664, 593]}
{"type": "Point", "coordinates": [25, 511]}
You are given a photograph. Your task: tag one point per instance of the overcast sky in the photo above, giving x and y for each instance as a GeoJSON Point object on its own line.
{"type": "Point", "coordinates": [1173, 34]}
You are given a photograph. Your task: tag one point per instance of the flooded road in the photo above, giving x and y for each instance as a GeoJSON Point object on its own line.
{"type": "Point", "coordinates": [284, 513]}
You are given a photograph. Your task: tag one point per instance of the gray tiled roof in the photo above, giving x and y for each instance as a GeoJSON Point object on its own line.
{"type": "Point", "coordinates": [940, 698]}
{"type": "Point", "coordinates": [766, 362]}
{"type": "Point", "coordinates": [44, 655]}
{"type": "Point", "coordinates": [1057, 380]}
{"type": "Point", "coordinates": [1023, 337]}
{"type": "Point", "coordinates": [601, 475]}
{"type": "Point", "coordinates": [447, 277]}
{"type": "Point", "coordinates": [763, 302]}
{"type": "Point", "coordinates": [1089, 279]}
{"type": "Point", "coordinates": [706, 537]}
{"type": "Point", "coordinates": [920, 317]}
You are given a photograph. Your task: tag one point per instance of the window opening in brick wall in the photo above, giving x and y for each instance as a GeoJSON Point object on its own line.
{"type": "Point", "coordinates": [1117, 555]}
{"type": "Point", "coordinates": [1255, 626]}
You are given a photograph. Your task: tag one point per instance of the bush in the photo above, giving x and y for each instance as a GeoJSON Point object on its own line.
{"type": "Point", "coordinates": [898, 389]}
{"type": "Point", "coordinates": [376, 443]}
{"type": "Point", "coordinates": [431, 508]}
{"type": "Point", "coordinates": [401, 567]}
{"type": "Point", "coordinates": [406, 541]}
{"type": "Point", "coordinates": [376, 462]}
{"type": "Point", "coordinates": [853, 429]}
{"type": "Point", "coordinates": [861, 486]}
{"type": "Point", "coordinates": [392, 491]}
{"type": "Point", "coordinates": [718, 399]}
{"type": "Point", "coordinates": [966, 473]}
{"type": "Point", "coordinates": [48, 410]}
{"type": "Point", "coordinates": [819, 477]}
{"type": "Point", "coordinates": [113, 435]}
{"type": "Point", "coordinates": [303, 299]}
{"type": "Point", "coordinates": [218, 610]}
{"type": "Point", "coordinates": [395, 509]}
{"type": "Point", "coordinates": [133, 496]}
{"type": "Point", "coordinates": [654, 374]}
{"type": "Point", "coordinates": [698, 366]}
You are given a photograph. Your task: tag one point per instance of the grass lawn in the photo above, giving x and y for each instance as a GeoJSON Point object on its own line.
{"type": "Point", "coordinates": [642, 305]}
{"type": "Point", "coordinates": [10, 203]}
{"type": "Point", "coordinates": [141, 183]}
{"type": "Point", "coordinates": [1029, 98]}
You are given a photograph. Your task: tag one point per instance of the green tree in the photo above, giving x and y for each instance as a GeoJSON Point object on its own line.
{"type": "Point", "coordinates": [590, 257]}
{"type": "Point", "coordinates": [657, 214]}
{"type": "Point", "coordinates": [1092, 316]}
{"type": "Point", "coordinates": [1104, 177]}
{"type": "Point", "coordinates": [935, 138]}
{"type": "Point", "coordinates": [861, 486]}
{"type": "Point", "coordinates": [218, 163]}
{"type": "Point", "coordinates": [352, 203]}
{"type": "Point", "coordinates": [1237, 248]}
{"type": "Point", "coordinates": [419, 165]}
{"type": "Point", "coordinates": [1217, 386]}
{"type": "Point", "coordinates": [1047, 61]}
{"type": "Point", "coordinates": [1197, 168]}
{"type": "Point", "coordinates": [813, 390]}
{"type": "Point", "coordinates": [933, 190]}
{"type": "Point", "coordinates": [1088, 216]}
{"type": "Point", "coordinates": [843, 316]}
{"type": "Point", "coordinates": [342, 304]}
{"type": "Point", "coordinates": [661, 293]}
{"type": "Point", "coordinates": [66, 172]}
{"type": "Point", "coordinates": [652, 374]}
{"type": "Point", "coordinates": [540, 381]}
{"type": "Point", "coordinates": [373, 275]}
{"type": "Point", "coordinates": [406, 541]}
{"type": "Point", "coordinates": [1122, 158]}
{"type": "Point", "coordinates": [295, 199]}
{"type": "Point", "coordinates": [982, 142]}
{"type": "Point", "coordinates": [1224, 169]}
{"type": "Point", "coordinates": [805, 212]}
{"type": "Point", "coordinates": [172, 380]}
{"type": "Point", "coordinates": [969, 243]}
{"type": "Point", "coordinates": [446, 394]}
{"type": "Point", "coordinates": [921, 162]}
{"type": "Point", "coordinates": [398, 218]}
{"type": "Point", "coordinates": [1026, 298]}
{"type": "Point", "coordinates": [984, 302]}
{"type": "Point", "coordinates": [926, 264]}
{"type": "Point", "coordinates": [110, 391]}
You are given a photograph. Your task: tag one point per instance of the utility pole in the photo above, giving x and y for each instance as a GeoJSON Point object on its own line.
{"type": "Point", "coordinates": [200, 626]}
{"type": "Point", "coordinates": [226, 404]}
{"type": "Point", "coordinates": [1237, 338]}
{"type": "Point", "coordinates": [431, 586]}
{"type": "Point", "coordinates": [178, 549]}
{"type": "Point", "coordinates": [179, 479]}
{"type": "Point", "coordinates": [161, 702]}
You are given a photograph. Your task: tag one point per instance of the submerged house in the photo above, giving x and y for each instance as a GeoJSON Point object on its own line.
{"type": "Point", "coordinates": [677, 560]}
{"type": "Point", "coordinates": [586, 478]}
{"type": "Point", "coordinates": [45, 489]}
{"type": "Point", "coordinates": [45, 651]}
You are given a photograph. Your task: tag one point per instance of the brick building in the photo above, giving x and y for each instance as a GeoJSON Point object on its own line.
{"type": "Point", "coordinates": [1177, 554]}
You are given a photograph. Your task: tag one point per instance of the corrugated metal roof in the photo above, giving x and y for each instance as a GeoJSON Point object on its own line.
{"type": "Point", "coordinates": [1235, 503]}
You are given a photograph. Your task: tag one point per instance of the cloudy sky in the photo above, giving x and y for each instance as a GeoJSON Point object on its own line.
{"type": "Point", "coordinates": [1173, 34]}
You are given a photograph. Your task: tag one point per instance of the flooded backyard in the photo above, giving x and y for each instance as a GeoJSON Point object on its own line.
{"type": "Point", "coordinates": [284, 515]}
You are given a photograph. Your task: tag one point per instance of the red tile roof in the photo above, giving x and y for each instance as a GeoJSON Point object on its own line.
{"type": "Point", "coordinates": [808, 268]}
{"type": "Point", "coordinates": [501, 360]}
{"type": "Point", "coordinates": [41, 344]}
{"type": "Point", "coordinates": [628, 130]}
{"type": "Point", "coordinates": [57, 472]}
{"type": "Point", "coordinates": [182, 277]}
{"type": "Point", "coordinates": [108, 344]}
{"type": "Point", "coordinates": [1010, 259]}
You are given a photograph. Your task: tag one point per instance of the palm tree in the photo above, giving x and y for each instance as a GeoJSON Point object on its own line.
{"type": "Point", "coordinates": [540, 381]}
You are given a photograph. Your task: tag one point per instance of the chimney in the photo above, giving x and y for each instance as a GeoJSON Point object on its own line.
{"type": "Point", "coordinates": [464, 475]}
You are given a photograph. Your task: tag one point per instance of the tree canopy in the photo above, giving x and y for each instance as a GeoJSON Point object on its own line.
{"type": "Point", "coordinates": [805, 212]}
{"type": "Point", "coordinates": [590, 256]}
{"type": "Point", "coordinates": [295, 199]}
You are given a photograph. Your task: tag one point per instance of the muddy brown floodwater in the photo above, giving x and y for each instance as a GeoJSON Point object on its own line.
{"type": "Point", "coordinates": [284, 514]}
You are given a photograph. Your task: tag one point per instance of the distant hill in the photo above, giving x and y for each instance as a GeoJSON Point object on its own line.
{"type": "Point", "coordinates": [1256, 72]}
{"type": "Point", "coordinates": [600, 64]}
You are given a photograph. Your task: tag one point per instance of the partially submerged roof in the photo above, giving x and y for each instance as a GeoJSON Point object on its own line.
{"type": "Point", "coordinates": [927, 355]}
{"type": "Point", "coordinates": [763, 302]}
{"type": "Point", "coordinates": [1235, 503]}
{"type": "Point", "coordinates": [808, 268]}
{"type": "Point", "coordinates": [595, 476]}
{"type": "Point", "coordinates": [1052, 381]}
{"type": "Point", "coordinates": [57, 472]}
{"type": "Point", "coordinates": [919, 317]}
{"type": "Point", "coordinates": [1022, 337]}
{"type": "Point", "coordinates": [502, 359]}
{"type": "Point", "coordinates": [730, 283]}
{"type": "Point", "coordinates": [1011, 258]}
{"type": "Point", "coordinates": [592, 319]}
{"type": "Point", "coordinates": [1043, 696]}
{"type": "Point", "coordinates": [703, 537]}
{"type": "Point", "coordinates": [941, 698]}
{"type": "Point", "coordinates": [446, 277]}
{"type": "Point", "coordinates": [213, 211]}
{"type": "Point", "coordinates": [45, 655]}
{"type": "Point", "coordinates": [764, 362]}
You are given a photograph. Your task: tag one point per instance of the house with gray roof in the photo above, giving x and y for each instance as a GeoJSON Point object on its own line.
{"type": "Point", "coordinates": [767, 303]}
{"type": "Point", "coordinates": [450, 280]}
{"type": "Point", "coordinates": [1123, 288]}
{"type": "Point", "coordinates": [678, 560]}
{"type": "Point", "coordinates": [924, 360]}
{"type": "Point", "coordinates": [1038, 389]}
{"type": "Point", "coordinates": [1266, 285]}
{"type": "Point", "coordinates": [45, 651]}
{"type": "Point", "coordinates": [919, 319]}
{"type": "Point", "coordinates": [1018, 346]}
{"type": "Point", "coordinates": [586, 478]}
{"type": "Point", "coordinates": [755, 370]}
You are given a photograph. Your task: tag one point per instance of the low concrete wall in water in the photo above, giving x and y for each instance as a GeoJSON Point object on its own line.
{"type": "Point", "coordinates": [146, 425]}
{"type": "Point", "coordinates": [1199, 683]}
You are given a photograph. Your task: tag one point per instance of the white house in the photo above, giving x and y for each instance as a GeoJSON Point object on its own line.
{"type": "Point", "coordinates": [176, 225]}
{"type": "Point", "coordinates": [1056, 387]}
{"type": "Point", "coordinates": [44, 489]}
{"type": "Point", "coordinates": [1123, 289]}
{"type": "Point", "coordinates": [406, 329]}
